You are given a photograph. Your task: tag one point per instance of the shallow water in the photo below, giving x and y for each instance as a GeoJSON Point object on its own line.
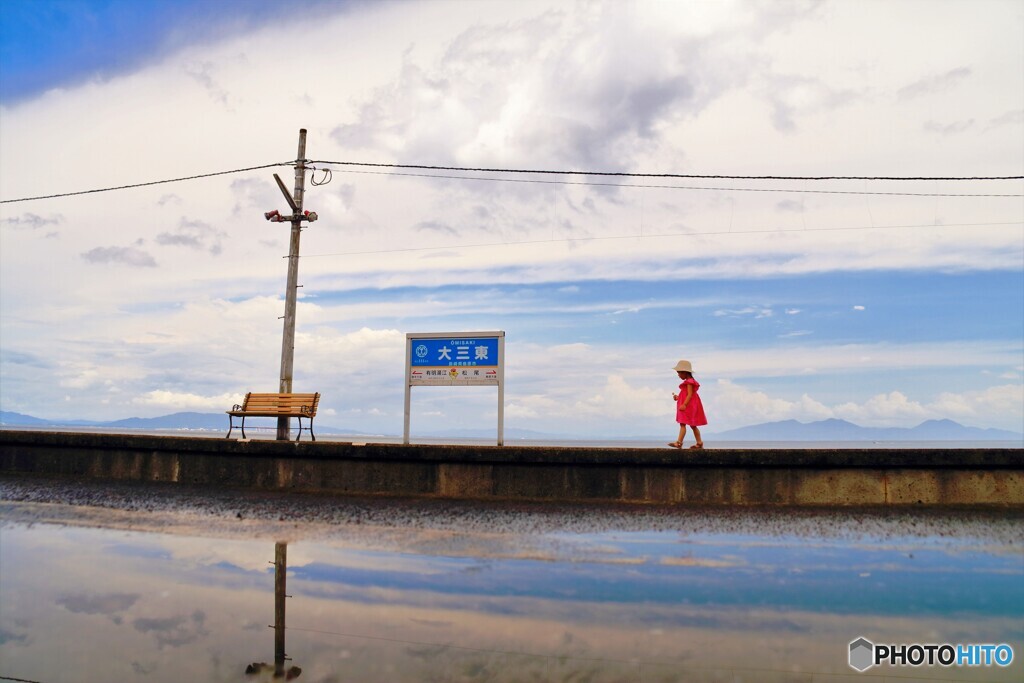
{"type": "Point", "coordinates": [129, 583]}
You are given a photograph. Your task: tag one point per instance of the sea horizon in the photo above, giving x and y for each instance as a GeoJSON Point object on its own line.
{"type": "Point", "coordinates": [268, 433]}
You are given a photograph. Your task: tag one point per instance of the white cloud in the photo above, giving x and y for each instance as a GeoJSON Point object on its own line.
{"type": "Point", "coordinates": [33, 221]}
{"type": "Point", "coordinates": [757, 312]}
{"type": "Point", "coordinates": [972, 406]}
{"type": "Point", "coordinates": [129, 256]}
{"type": "Point", "coordinates": [735, 404]}
{"type": "Point", "coordinates": [933, 84]}
{"type": "Point", "coordinates": [892, 409]}
{"type": "Point", "coordinates": [622, 400]}
{"type": "Point", "coordinates": [183, 401]}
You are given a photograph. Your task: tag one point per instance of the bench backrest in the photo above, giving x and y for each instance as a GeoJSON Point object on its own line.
{"type": "Point", "coordinates": [286, 404]}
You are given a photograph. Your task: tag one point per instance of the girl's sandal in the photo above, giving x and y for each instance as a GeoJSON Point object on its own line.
{"type": "Point", "coordinates": [675, 444]}
{"type": "Point", "coordinates": [697, 447]}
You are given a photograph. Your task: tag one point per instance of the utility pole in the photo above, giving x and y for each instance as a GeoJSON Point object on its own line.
{"type": "Point", "coordinates": [288, 336]}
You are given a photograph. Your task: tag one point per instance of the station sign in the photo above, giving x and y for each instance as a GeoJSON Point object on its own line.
{"type": "Point", "coordinates": [455, 359]}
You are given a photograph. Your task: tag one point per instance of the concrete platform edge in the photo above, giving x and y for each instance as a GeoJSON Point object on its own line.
{"type": "Point", "coordinates": [811, 477]}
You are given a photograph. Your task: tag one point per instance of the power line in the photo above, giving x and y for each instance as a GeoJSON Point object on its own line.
{"type": "Point", "coordinates": [677, 187]}
{"type": "Point", "coordinates": [145, 184]}
{"type": "Point", "coordinates": [519, 171]}
{"type": "Point", "coordinates": [691, 176]}
{"type": "Point", "coordinates": [601, 238]}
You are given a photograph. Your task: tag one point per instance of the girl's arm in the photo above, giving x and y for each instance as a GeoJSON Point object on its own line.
{"type": "Point", "coordinates": [689, 395]}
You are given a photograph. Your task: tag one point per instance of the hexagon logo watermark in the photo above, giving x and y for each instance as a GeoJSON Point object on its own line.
{"type": "Point", "coordinates": [862, 654]}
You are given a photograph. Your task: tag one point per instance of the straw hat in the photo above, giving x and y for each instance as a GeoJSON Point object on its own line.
{"type": "Point", "coordinates": [683, 366]}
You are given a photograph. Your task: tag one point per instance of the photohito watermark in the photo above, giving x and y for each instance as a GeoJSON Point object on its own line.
{"type": "Point", "coordinates": [864, 654]}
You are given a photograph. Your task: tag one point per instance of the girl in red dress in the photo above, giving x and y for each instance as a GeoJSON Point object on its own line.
{"type": "Point", "coordinates": [689, 409]}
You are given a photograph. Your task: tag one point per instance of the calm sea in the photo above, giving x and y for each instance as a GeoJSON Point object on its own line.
{"type": "Point", "coordinates": [709, 442]}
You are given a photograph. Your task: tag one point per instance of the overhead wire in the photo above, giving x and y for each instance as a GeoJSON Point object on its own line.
{"type": "Point", "coordinates": [144, 184]}
{"type": "Point", "coordinates": [520, 171]}
{"type": "Point", "coordinates": [628, 174]}
{"type": "Point", "coordinates": [681, 187]}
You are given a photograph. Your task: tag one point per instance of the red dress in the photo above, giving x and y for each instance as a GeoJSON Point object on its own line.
{"type": "Point", "coordinates": [693, 416]}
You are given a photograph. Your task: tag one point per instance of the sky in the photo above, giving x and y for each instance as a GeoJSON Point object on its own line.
{"type": "Point", "coordinates": [885, 303]}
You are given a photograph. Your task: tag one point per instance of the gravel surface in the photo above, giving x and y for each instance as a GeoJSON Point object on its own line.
{"type": "Point", "coordinates": [176, 508]}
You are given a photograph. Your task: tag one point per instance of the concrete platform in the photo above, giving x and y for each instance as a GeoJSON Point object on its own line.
{"type": "Point", "coordinates": [800, 477]}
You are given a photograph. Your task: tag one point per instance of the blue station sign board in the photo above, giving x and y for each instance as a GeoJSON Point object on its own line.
{"type": "Point", "coordinates": [472, 352]}
{"type": "Point", "coordinates": [455, 358]}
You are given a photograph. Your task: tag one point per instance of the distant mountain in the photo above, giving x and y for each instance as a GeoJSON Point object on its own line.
{"type": "Point", "coordinates": [183, 421]}
{"type": "Point", "coordinates": [173, 421]}
{"type": "Point", "coordinates": [841, 430]}
{"type": "Point", "coordinates": [787, 430]}
{"type": "Point", "coordinates": [8, 418]}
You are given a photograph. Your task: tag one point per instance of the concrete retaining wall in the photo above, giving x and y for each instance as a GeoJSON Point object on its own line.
{"type": "Point", "coordinates": [946, 477]}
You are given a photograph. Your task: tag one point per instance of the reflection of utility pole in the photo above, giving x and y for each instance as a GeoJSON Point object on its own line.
{"type": "Point", "coordinates": [280, 572]}
{"type": "Point", "coordinates": [288, 337]}
{"type": "Point", "coordinates": [280, 594]}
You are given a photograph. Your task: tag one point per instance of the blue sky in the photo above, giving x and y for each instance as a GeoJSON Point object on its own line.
{"type": "Point", "coordinates": [55, 43]}
{"type": "Point", "coordinates": [882, 303]}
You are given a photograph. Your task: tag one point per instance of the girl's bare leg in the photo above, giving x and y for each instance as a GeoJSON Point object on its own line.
{"type": "Point", "coordinates": [682, 435]}
{"type": "Point", "coordinates": [696, 435]}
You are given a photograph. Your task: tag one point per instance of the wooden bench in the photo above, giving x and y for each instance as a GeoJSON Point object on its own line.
{"type": "Point", "coordinates": [276, 405]}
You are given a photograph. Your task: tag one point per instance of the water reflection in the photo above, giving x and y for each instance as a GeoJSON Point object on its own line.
{"type": "Point", "coordinates": [420, 604]}
{"type": "Point", "coordinates": [258, 669]}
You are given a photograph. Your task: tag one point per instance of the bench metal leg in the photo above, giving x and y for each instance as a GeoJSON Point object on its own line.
{"type": "Point", "coordinates": [243, 426]}
{"type": "Point", "coordinates": [231, 426]}
{"type": "Point", "coordinates": [308, 429]}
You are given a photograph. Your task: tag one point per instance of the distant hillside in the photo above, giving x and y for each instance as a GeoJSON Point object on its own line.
{"type": "Point", "coordinates": [174, 421]}
{"type": "Point", "coordinates": [196, 421]}
{"type": "Point", "coordinates": [787, 430]}
{"type": "Point", "coordinates": [7, 418]}
{"type": "Point", "coordinates": [841, 430]}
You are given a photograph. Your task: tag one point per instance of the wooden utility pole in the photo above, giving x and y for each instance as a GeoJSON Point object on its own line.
{"type": "Point", "coordinates": [288, 337]}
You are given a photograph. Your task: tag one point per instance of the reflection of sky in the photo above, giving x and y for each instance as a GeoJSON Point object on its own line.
{"type": "Point", "coordinates": [156, 605]}
{"type": "Point", "coordinates": [737, 573]}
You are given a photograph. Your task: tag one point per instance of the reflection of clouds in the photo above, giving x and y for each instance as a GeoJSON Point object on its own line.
{"type": "Point", "coordinates": [199, 552]}
{"type": "Point", "coordinates": [10, 637]}
{"type": "Point", "coordinates": [110, 604]}
{"type": "Point", "coordinates": [690, 561]}
{"type": "Point", "coordinates": [143, 669]}
{"type": "Point", "coordinates": [678, 606]}
{"type": "Point", "coordinates": [174, 631]}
